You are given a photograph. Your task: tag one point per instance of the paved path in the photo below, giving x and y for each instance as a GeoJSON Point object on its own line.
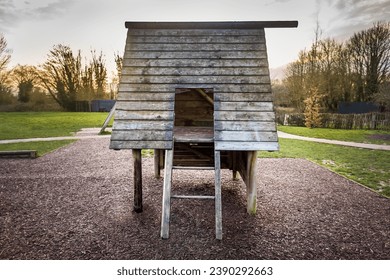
{"type": "Point", "coordinates": [86, 133]}
{"type": "Point", "coordinates": [335, 142]}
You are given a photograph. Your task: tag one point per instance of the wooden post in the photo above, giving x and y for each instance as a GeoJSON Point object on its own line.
{"type": "Point", "coordinates": [234, 165]}
{"type": "Point", "coordinates": [137, 159]}
{"type": "Point", "coordinates": [109, 117]}
{"type": "Point", "coordinates": [166, 209]}
{"type": "Point", "coordinates": [157, 163]}
{"type": "Point", "coordinates": [251, 187]}
{"type": "Point", "coordinates": [218, 196]}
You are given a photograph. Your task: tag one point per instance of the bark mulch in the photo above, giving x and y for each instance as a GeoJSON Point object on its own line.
{"type": "Point", "coordinates": [76, 203]}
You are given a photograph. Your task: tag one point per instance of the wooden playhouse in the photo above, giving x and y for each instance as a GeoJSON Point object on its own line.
{"type": "Point", "coordinates": [199, 94]}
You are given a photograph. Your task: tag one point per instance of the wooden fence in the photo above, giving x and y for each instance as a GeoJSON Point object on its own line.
{"type": "Point", "coordinates": [379, 121]}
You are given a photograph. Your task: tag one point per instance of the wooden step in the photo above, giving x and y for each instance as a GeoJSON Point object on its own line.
{"type": "Point", "coordinates": [193, 167]}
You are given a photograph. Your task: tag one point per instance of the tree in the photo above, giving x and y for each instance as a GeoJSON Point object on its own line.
{"type": "Point", "coordinates": [61, 75]}
{"type": "Point", "coordinates": [312, 109]}
{"type": "Point", "coordinates": [370, 56]}
{"type": "Point", "coordinates": [24, 78]}
{"type": "Point", "coordinates": [5, 57]}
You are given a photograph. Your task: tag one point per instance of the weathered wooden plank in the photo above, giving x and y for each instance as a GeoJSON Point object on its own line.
{"type": "Point", "coordinates": [143, 115]}
{"type": "Point", "coordinates": [157, 159]}
{"type": "Point", "coordinates": [251, 187]}
{"type": "Point", "coordinates": [261, 62]}
{"type": "Point", "coordinates": [137, 173]}
{"type": "Point", "coordinates": [195, 32]}
{"type": "Point", "coordinates": [179, 54]}
{"type": "Point", "coordinates": [243, 116]}
{"type": "Point", "coordinates": [141, 135]}
{"type": "Point", "coordinates": [195, 47]}
{"type": "Point", "coordinates": [166, 200]}
{"type": "Point", "coordinates": [218, 196]}
{"type": "Point", "coordinates": [256, 88]}
{"type": "Point", "coordinates": [251, 136]}
{"type": "Point", "coordinates": [196, 39]}
{"type": "Point", "coordinates": [145, 105]}
{"type": "Point", "coordinates": [235, 125]}
{"type": "Point", "coordinates": [196, 79]}
{"type": "Point", "coordinates": [246, 146]}
{"type": "Point", "coordinates": [137, 124]}
{"type": "Point", "coordinates": [119, 145]}
{"type": "Point", "coordinates": [195, 71]}
{"type": "Point", "coordinates": [244, 106]}
{"type": "Point", "coordinates": [247, 96]}
{"type": "Point", "coordinates": [146, 96]}
{"type": "Point", "coordinates": [211, 25]}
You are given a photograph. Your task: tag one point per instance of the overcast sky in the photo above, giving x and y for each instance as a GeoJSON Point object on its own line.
{"type": "Point", "coordinates": [32, 28]}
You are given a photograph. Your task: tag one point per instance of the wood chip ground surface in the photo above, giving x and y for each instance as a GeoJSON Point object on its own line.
{"type": "Point", "coordinates": [76, 203]}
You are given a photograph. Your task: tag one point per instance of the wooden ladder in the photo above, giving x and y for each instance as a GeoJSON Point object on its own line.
{"type": "Point", "coordinates": [166, 207]}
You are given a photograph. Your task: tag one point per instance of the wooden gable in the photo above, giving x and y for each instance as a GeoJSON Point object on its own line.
{"type": "Point", "coordinates": [229, 58]}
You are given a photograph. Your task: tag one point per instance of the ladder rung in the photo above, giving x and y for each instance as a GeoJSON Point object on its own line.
{"type": "Point", "coordinates": [193, 196]}
{"type": "Point", "coordinates": [194, 167]}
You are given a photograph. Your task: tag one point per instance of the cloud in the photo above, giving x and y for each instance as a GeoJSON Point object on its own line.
{"type": "Point", "coordinates": [52, 9]}
{"type": "Point", "coordinates": [8, 14]}
{"type": "Point", "coordinates": [356, 15]}
{"type": "Point", "coordinates": [11, 15]}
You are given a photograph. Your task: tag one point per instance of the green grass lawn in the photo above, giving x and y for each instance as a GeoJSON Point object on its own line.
{"type": "Point", "coordinates": [15, 125]}
{"type": "Point", "coordinates": [368, 167]}
{"type": "Point", "coordinates": [360, 136]}
{"type": "Point", "coordinates": [42, 147]}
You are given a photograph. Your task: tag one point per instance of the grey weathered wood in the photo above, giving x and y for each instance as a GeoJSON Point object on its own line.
{"type": "Point", "coordinates": [190, 79]}
{"type": "Point", "coordinates": [212, 25]}
{"type": "Point", "coordinates": [247, 96]}
{"type": "Point", "coordinates": [246, 136]}
{"type": "Point", "coordinates": [244, 106]}
{"type": "Point", "coordinates": [193, 47]}
{"type": "Point", "coordinates": [19, 154]}
{"type": "Point", "coordinates": [145, 105]}
{"type": "Point", "coordinates": [166, 208]}
{"type": "Point", "coordinates": [157, 163]}
{"type": "Point", "coordinates": [142, 124]}
{"type": "Point", "coordinates": [199, 32]}
{"type": "Point", "coordinates": [137, 162]}
{"type": "Point", "coordinates": [108, 119]}
{"type": "Point", "coordinates": [119, 145]}
{"type": "Point", "coordinates": [142, 135]}
{"type": "Point", "coordinates": [243, 116]}
{"type": "Point", "coordinates": [146, 96]}
{"type": "Point", "coordinates": [251, 188]}
{"type": "Point", "coordinates": [218, 196]}
{"type": "Point", "coordinates": [195, 71]}
{"type": "Point", "coordinates": [143, 115]}
{"type": "Point", "coordinates": [182, 62]}
{"type": "Point", "coordinates": [193, 196]}
{"type": "Point", "coordinates": [238, 125]}
{"type": "Point", "coordinates": [206, 39]}
{"type": "Point", "coordinates": [190, 54]}
{"type": "Point", "coordinates": [236, 88]}
{"type": "Point", "coordinates": [246, 146]}
{"type": "Point", "coordinates": [193, 167]}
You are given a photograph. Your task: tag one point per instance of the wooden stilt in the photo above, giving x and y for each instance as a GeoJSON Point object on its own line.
{"type": "Point", "coordinates": [137, 158]}
{"type": "Point", "coordinates": [251, 186]}
{"type": "Point", "coordinates": [218, 196]}
{"type": "Point", "coordinates": [157, 163]}
{"type": "Point", "coordinates": [166, 209]}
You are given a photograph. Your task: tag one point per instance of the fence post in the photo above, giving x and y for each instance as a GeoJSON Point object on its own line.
{"type": "Point", "coordinates": [373, 121]}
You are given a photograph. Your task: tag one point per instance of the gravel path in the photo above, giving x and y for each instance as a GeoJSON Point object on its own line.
{"type": "Point", "coordinates": [76, 203]}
